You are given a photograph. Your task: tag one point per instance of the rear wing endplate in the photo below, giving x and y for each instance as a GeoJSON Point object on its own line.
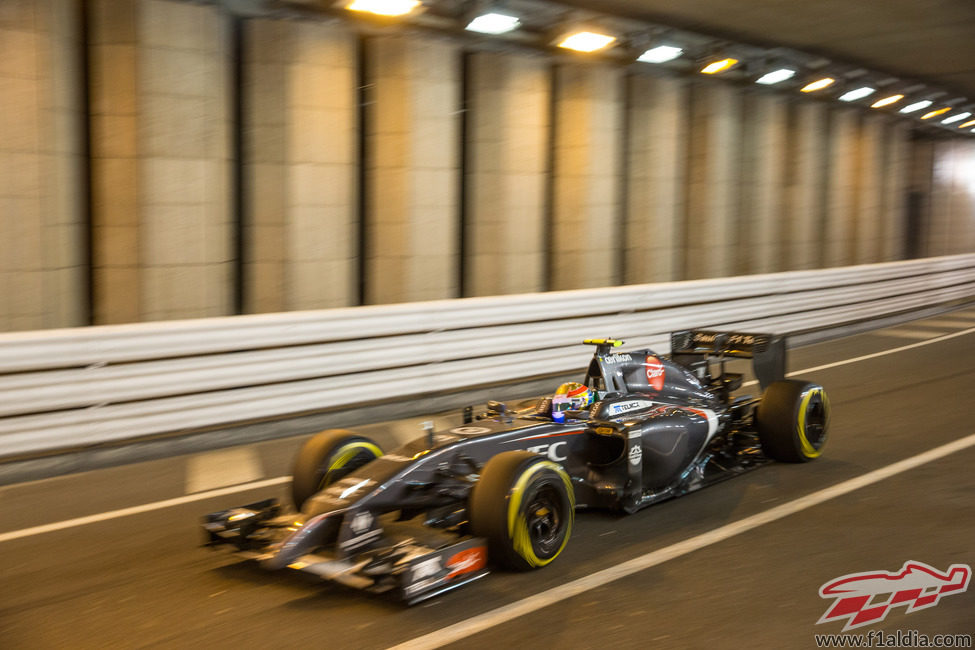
{"type": "Point", "coordinates": [767, 351]}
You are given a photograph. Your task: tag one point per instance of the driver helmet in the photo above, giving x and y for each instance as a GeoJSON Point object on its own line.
{"type": "Point", "coordinates": [572, 396]}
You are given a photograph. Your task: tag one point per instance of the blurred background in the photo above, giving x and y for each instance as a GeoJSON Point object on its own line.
{"type": "Point", "coordinates": [162, 159]}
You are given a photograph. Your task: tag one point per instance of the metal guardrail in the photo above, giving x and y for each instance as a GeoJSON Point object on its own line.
{"type": "Point", "coordinates": [68, 388]}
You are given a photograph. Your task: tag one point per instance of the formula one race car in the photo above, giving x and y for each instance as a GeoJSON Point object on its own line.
{"type": "Point", "coordinates": [501, 488]}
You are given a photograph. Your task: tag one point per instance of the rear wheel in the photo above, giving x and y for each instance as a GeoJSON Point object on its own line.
{"type": "Point", "coordinates": [327, 457]}
{"type": "Point", "coordinates": [524, 506]}
{"type": "Point", "coordinates": [793, 421]}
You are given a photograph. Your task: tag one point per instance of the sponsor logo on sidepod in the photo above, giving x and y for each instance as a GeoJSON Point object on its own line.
{"type": "Point", "coordinates": [636, 454]}
{"type": "Point", "coordinates": [551, 450]}
{"type": "Point", "coordinates": [655, 372]}
{"type": "Point", "coordinates": [916, 585]}
{"type": "Point", "coordinates": [625, 407]}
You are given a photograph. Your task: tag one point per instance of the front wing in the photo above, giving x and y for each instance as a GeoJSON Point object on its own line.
{"type": "Point", "coordinates": [411, 564]}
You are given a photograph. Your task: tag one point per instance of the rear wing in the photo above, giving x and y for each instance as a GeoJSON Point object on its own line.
{"type": "Point", "coordinates": [767, 351]}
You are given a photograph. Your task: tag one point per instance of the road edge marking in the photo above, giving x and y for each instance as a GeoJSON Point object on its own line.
{"type": "Point", "coordinates": [463, 629]}
{"type": "Point", "coordinates": [874, 355]}
{"type": "Point", "coordinates": [146, 507]}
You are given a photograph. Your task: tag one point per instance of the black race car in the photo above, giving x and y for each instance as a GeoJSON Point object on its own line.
{"type": "Point", "coordinates": [501, 488]}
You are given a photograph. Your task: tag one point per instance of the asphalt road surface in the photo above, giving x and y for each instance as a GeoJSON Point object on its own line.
{"type": "Point", "coordinates": [111, 558]}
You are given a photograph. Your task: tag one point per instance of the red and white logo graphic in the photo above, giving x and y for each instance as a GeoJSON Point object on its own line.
{"type": "Point", "coordinates": [655, 372]}
{"type": "Point", "coordinates": [466, 561]}
{"type": "Point", "coordinates": [865, 598]}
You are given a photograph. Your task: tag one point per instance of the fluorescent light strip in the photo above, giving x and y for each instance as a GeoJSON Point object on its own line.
{"type": "Point", "coordinates": [940, 111]}
{"type": "Point", "coordinates": [818, 85]}
{"type": "Point", "coordinates": [719, 66]}
{"type": "Point", "coordinates": [859, 93]}
{"type": "Point", "coordinates": [586, 41]}
{"type": "Point", "coordinates": [967, 124]}
{"type": "Point", "coordinates": [886, 101]}
{"type": "Point", "coordinates": [661, 54]}
{"type": "Point", "coordinates": [956, 118]}
{"type": "Point", "coordinates": [776, 76]}
{"type": "Point", "coordinates": [493, 24]}
{"type": "Point", "coordinates": [916, 106]}
{"type": "Point", "coordinates": [384, 7]}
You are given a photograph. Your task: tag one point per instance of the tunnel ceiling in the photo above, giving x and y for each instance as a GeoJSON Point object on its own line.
{"type": "Point", "coordinates": [927, 40]}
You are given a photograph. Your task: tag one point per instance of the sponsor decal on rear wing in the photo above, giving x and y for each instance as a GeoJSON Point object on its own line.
{"type": "Point", "coordinates": [766, 350]}
{"type": "Point", "coordinates": [734, 344]}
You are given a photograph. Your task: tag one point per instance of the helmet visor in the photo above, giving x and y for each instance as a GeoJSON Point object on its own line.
{"type": "Point", "coordinates": [561, 403]}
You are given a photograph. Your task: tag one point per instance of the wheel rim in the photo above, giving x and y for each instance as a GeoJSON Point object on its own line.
{"type": "Point", "coordinates": [545, 520]}
{"type": "Point", "coordinates": [343, 463]}
{"type": "Point", "coordinates": [815, 422]}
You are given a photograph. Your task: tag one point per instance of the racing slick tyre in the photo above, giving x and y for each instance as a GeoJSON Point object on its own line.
{"type": "Point", "coordinates": [793, 421]}
{"type": "Point", "coordinates": [524, 506]}
{"type": "Point", "coordinates": [327, 457]}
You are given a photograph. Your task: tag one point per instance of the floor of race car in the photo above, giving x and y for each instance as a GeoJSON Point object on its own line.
{"type": "Point", "coordinates": [139, 579]}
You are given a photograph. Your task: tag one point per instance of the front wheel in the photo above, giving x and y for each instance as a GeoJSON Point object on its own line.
{"type": "Point", "coordinates": [327, 457]}
{"type": "Point", "coordinates": [524, 506]}
{"type": "Point", "coordinates": [793, 421]}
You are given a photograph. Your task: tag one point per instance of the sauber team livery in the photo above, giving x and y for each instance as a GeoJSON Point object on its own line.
{"type": "Point", "coordinates": [501, 488]}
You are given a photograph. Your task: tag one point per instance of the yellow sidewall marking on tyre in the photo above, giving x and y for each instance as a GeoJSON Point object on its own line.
{"type": "Point", "coordinates": [518, 527]}
{"type": "Point", "coordinates": [347, 452]}
{"type": "Point", "coordinates": [807, 449]}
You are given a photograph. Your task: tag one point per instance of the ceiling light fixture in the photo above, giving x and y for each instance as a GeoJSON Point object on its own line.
{"type": "Point", "coordinates": [956, 118]}
{"type": "Point", "coordinates": [825, 82]}
{"type": "Point", "coordinates": [384, 7]}
{"type": "Point", "coordinates": [916, 106]}
{"type": "Point", "coordinates": [586, 41]}
{"type": "Point", "coordinates": [856, 94]}
{"type": "Point", "coordinates": [886, 101]}
{"type": "Point", "coordinates": [661, 54]}
{"type": "Point", "coordinates": [967, 124]}
{"type": "Point", "coordinates": [776, 76]}
{"type": "Point", "coordinates": [493, 23]}
{"type": "Point", "coordinates": [940, 111]}
{"type": "Point", "coordinates": [719, 66]}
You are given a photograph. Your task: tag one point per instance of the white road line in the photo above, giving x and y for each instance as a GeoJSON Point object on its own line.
{"type": "Point", "coordinates": [135, 510]}
{"type": "Point", "coordinates": [148, 507]}
{"type": "Point", "coordinates": [949, 322]}
{"type": "Point", "coordinates": [916, 335]}
{"type": "Point", "coordinates": [481, 622]}
{"type": "Point", "coordinates": [844, 362]}
{"type": "Point", "coordinates": [910, 346]}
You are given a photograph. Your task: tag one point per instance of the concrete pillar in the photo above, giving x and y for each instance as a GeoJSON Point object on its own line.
{"type": "Point", "coordinates": [939, 226]}
{"type": "Point", "coordinates": [952, 227]}
{"type": "Point", "coordinates": [869, 190]}
{"type": "Point", "coordinates": [838, 240]}
{"type": "Point", "coordinates": [657, 169]}
{"type": "Point", "coordinates": [895, 191]}
{"type": "Point", "coordinates": [413, 122]}
{"type": "Point", "coordinates": [585, 236]}
{"type": "Point", "coordinates": [160, 148]}
{"type": "Point", "coordinates": [762, 198]}
{"type": "Point", "coordinates": [713, 181]}
{"type": "Point", "coordinates": [507, 153]}
{"type": "Point", "coordinates": [803, 217]}
{"type": "Point", "coordinates": [921, 187]}
{"type": "Point", "coordinates": [301, 141]}
{"type": "Point", "coordinates": [42, 245]}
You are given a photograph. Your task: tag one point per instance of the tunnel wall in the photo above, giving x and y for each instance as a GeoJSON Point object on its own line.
{"type": "Point", "coordinates": [163, 160]}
